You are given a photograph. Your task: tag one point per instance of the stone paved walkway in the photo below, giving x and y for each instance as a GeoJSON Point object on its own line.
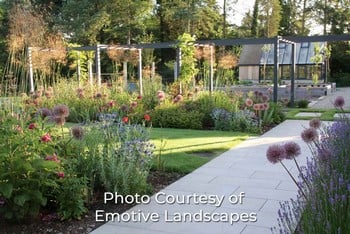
{"type": "Point", "coordinates": [326, 102]}
{"type": "Point", "coordinates": [242, 170]}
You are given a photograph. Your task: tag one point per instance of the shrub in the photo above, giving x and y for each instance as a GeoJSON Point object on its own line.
{"type": "Point", "coordinates": [119, 160]}
{"type": "Point", "coordinates": [342, 79]}
{"type": "Point", "coordinates": [303, 103]}
{"type": "Point", "coordinates": [33, 168]}
{"type": "Point", "coordinates": [170, 115]}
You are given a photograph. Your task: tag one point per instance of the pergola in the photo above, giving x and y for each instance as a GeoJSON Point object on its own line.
{"type": "Point", "coordinates": [211, 43]}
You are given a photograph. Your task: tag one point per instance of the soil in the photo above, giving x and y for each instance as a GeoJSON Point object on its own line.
{"type": "Point", "coordinates": [50, 223]}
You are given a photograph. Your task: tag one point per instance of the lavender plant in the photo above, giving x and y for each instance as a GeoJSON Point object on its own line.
{"type": "Point", "coordinates": [323, 204]}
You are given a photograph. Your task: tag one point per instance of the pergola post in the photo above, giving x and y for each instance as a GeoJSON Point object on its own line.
{"type": "Point", "coordinates": [211, 82]}
{"type": "Point", "coordinates": [98, 65]}
{"type": "Point", "coordinates": [140, 71]}
{"type": "Point", "coordinates": [276, 69]}
{"type": "Point", "coordinates": [292, 75]}
{"type": "Point", "coordinates": [125, 74]}
{"type": "Point", "coordinates": [31, 75]}
{"type": "Point", "coordinates": [90, 72]}
{"type": "Point", "coordinates": [178, 63]}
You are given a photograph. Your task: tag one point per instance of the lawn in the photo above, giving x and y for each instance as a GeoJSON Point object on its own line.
{"type": "Point", "coordinates": [184, 150]}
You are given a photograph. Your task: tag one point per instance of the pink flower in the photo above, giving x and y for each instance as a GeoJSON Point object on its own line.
{"type": "Point", "coordinates": [256, 107]}
{"type": "Point", "coordinates": [292, 149]}
{"type": "Point", "coordinates": [60, 174]}
{"type": "Point", "coordinates": [266, 105]}
{"type": "Point", "coordinates": [18, 129]}
{"type": "Point", "coordinates": [249, 102]}
{"type": "Point", "coordinates": [46, 138]}
{"type": "Point", "coordinates": [133, 104]}
{"type": "Point", "coordinates": [339, 102]}
{"type": "Point", "coordinates": [309, 135]}
{"type": "Point", "coordinates": [32, 126]}
{"type": "Point", "coordinates": [161, 95]}
{"type": "Point", "coordinates": [275, 153]}
{"type": "Point", "coordinates": [315, 123]}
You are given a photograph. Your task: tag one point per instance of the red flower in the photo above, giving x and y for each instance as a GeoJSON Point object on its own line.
{"type": "Point", "coordinates": [46, 138]}
{"type": "Point", "coordinates": [32, 126]}
{"type": "Point", "coordinates": [60, 174]}
{"type": "Point", "coordinates": [125, 119]}
{"type": "Point", "coordinates": [139, 97]}
{"type": "Point", "coordinates": [111, 103]}
{"type": "Point", "coordinates": [147, 117]}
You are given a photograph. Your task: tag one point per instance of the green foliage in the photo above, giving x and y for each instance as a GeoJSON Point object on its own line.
{"type": "Point", "coordinates": [119, 160]}
{"type": "Point", "coordinates": [273, 115]}
{"type": "Point", "coordinates": [27, 176]}
{"type": "Point", "coordinates": [170, 115]}
{"type": "Point", "coordinates": [341, 79]}
{"type": "Point", "coordinates": [303, 103]}
{"type": "Point", "coordinates": [188, 60]}
{"type": "Point", "coordinates": [70, 197]}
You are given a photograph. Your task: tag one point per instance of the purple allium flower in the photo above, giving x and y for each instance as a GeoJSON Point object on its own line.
{"type": "Point", "coordinates": [339, 102]}
{"type": "Point", "coordinates": [309, 135]}
{"type": "Point", "coordinates": [77, 132]}
{"type": "Point", "coordinates": [315, 123]}
{"type": "Point", "coordinates": [59, 120]}
{"type": "Point", "coordinates": [61, 111]}
{"type": "Point", "coordinates": [275, 153]}
{"type": "Point", "coordinates": [44, 112]}
{"type": "Point", "coordinates": [265, 98]}
{"type": "Point", "coordinates": [292, 149]}
{"type": "Point", "coordinates": [124, 108]}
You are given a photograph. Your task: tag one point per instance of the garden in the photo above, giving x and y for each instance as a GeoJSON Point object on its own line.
{"type": "Point", "coordinates": [63, 146]}
{"type": "Point", "coordinates": [67, 135]}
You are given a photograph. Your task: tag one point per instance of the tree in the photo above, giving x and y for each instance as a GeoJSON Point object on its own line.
{"type": "Point", "coordinates": [270, 17]}
{"type": "Point", "coordinates": [254, 26]}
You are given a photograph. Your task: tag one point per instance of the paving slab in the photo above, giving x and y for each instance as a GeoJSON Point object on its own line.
{"type": "Point", "coordinates": [308, 114]}
{"type": "Point", "coordinates": [247, 184]}
{"type": "Point", "coordinates": [341, 115]}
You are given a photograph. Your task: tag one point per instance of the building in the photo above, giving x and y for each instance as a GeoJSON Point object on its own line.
{"type": "Point", "coordinates": [256, 62]}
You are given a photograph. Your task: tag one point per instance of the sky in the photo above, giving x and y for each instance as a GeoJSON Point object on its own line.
{"type": "Point", "coordinates": [240, 8]}
{"type": "Point", "coordinates": [243, 6]}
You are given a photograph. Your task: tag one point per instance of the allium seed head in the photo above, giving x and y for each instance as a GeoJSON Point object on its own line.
{"type": "Point", "coordinates": [77, 132]}
{"type": "Point", "coordinates": [292, 150]}
{"type": "Point", "coordinates": [315, 123]}
{"type": "Point", "coordinates": [339, 102]}
{"type": "Point", "coordinates": [309, 135]}
{"type": "Point", "coordinates": [61, 111]}
{"type": "Point", "coordinates": [275, 153]}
